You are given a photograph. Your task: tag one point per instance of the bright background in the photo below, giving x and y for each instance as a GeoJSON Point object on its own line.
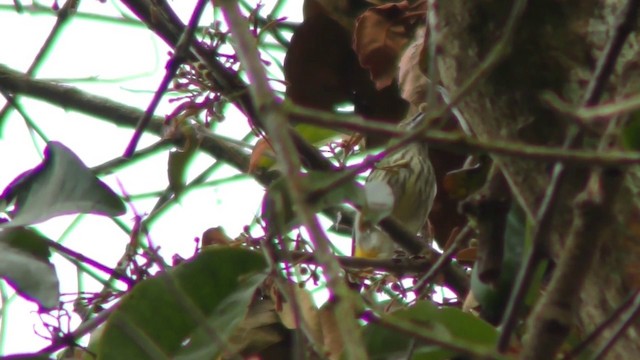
{"type": "Point", "coordinates": [123, 62]}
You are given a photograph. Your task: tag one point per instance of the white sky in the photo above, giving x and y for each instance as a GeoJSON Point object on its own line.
{"type": "Point", "coordinates": [89, 49]}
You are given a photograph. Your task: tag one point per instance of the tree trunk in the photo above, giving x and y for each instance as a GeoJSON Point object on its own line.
{"type": "Point", "coordinates": [555, 47]}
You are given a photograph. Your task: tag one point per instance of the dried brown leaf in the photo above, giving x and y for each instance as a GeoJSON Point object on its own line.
{"type": "Point", "coordinates": [381, 34]}
{"type": "Point", "coordinates": [262, 156]}
{"type": "Point", "coordinates": [215, 236]}
{"type": "Point", "coordinates": [412, 82]}
{"type": "Point", "coordinates": [308, 312]}
{"type": "Point", "coordinates": [468, 255]}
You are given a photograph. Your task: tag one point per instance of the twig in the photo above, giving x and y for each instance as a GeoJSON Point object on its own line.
{"type": "Point", "coordinates": [179, 56]}
{"type": "Point", "coordinates": [63, 16]}
{"type": "Point", "coordinates": [604, 68]}
{"type": "Point", "coordinates": [443, 259]}
{"type": "Point", "coordinates": [71, 98]}
{"type": "Point", "coordinates": [111, 165]}
{"type": "Point", "coordinates": [399, 266]}
{"type": "Point", "coordinates": [165, 23]}
{"type": "Point", "coordinates": [83, 329]}
{"type": "Point", "coordinates": [627, 321]}
{"type": "Point", "coordinates": [603, 111]}
{"type": "Point", "coordinates": [457, 142]}
{"type": "Point", "coordinates": [277, 128]}
{"type": "Point", "coordinates": [84, 259]}
{"type": "Point", "coordinates": [74, 99]}
{"type": "Point", "coordinates": [599, 330]}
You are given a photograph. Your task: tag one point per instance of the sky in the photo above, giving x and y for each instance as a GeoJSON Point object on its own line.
{"type": "Point", "coordinates": [90, 50]}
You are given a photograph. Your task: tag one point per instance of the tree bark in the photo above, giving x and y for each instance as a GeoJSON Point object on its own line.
{"type": "Point", "coordinates": [554, 48]}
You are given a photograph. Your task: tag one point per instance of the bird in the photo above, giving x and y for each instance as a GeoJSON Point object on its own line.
{"type": "Point", "coordinates": [410, 177]}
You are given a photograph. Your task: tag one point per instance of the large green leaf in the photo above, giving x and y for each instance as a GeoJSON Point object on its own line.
{"type": "Point", "coordinates": [24, 263]}
{"type": "Point", "coordinates": [153, 321]}
{"type": "Point", "coordinates": [60, 185]}
{"type": "Point", "coordinates": [448, 325]}
{"type": "Point", "coordinates": [224, 321]}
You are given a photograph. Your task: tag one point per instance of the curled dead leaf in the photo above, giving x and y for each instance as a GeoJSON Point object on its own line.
{"type": "Point", "coordinates": [215, 236]}
{"type": "Point", "coordinates": [308, 312]}
{"type": "Point", "coordinates": [382, 33]}
{"type": "Point", "coordinates": [468, 255]}
{"type": "Point", "coordinates": [412, 82]}
{"type": "Point", "coordinates": [262, 156]}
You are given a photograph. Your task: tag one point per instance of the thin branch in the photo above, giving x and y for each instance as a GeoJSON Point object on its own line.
{"type": "Point", "coordinates": [277, 128]}
{"type": "Point", "coordinates": [179, 56]}
{"type": "Point", "coordinates": [443, 260]}
{"type": "Point", "coordinates": [71, 98]}
{"type": "Point", "coordinates": [599, 330]}
{"type": "Point", "coordinates": [603, 111]}
{"type": "Point", "coordinates": [461, 143]}
{"type": "Point", "coordinates": [84, 259]}
{"type": "Point", "coordinates": [64, 15]}
{"type": "Point", "coordinates": [113, 164]}
{"type": "Point", "coordinates": [83, 329]}
{"type": "Point", "coordinates": [627, 321]}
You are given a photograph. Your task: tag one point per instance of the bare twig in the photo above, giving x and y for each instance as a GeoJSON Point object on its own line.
{"type": "Point", "coordinates": [277, 128]}
{"type": "Point", "coordinates": [443, 259]}
{"type": "Point", "coordinates": [457, 142]}
{"type": "Point", "coordinates": [84, 259]}
{"type": "Point", "coordinates": [63, 16]}
{"type": "Point", "coordinates": [74, 99]}
{"type": "Point", "coordinates": [578, 349]}
{"type": "Point", "coordinates": [83, 329]}
{"type": "Point", "coordinates": [179, 56]}
{"type": "Point", "coordinates": [629, 318]}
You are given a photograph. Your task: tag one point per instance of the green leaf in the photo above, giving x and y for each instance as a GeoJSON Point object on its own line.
{"type": "Point", "coordinates": [465, 326]}
{"type": "Point", "coordinates": [630, 136]}
{"type": "Point", "coordinates": [153, 321]}
{"type": "Point", "coordinates": [24, 263]}
{"type": "Point", "coordinates": [223, 322]}
{"type": "Point", "coordinates": [180, 159]}
{"type": "Point", "coordinates": [493, 299]}
{"type": "Point", "coordinates": [432, 353]}
{"type": "Point", "coordinates": [449, 325]}
{"type": "Point", "coordinates": [459, 184]}
{"type": "Point", "coordinates": [317, 135]}
{"type": "Point", "coordinates": [60, 185]}
{"type": "Point", "coordinates": [385, 343]}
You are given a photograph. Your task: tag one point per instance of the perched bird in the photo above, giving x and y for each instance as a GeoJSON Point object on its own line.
{"type": "Point", "coordinates": [411, 179]}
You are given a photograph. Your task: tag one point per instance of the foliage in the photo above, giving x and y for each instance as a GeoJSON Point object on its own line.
{"type": "Point", "coordinates": [321, 98]}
